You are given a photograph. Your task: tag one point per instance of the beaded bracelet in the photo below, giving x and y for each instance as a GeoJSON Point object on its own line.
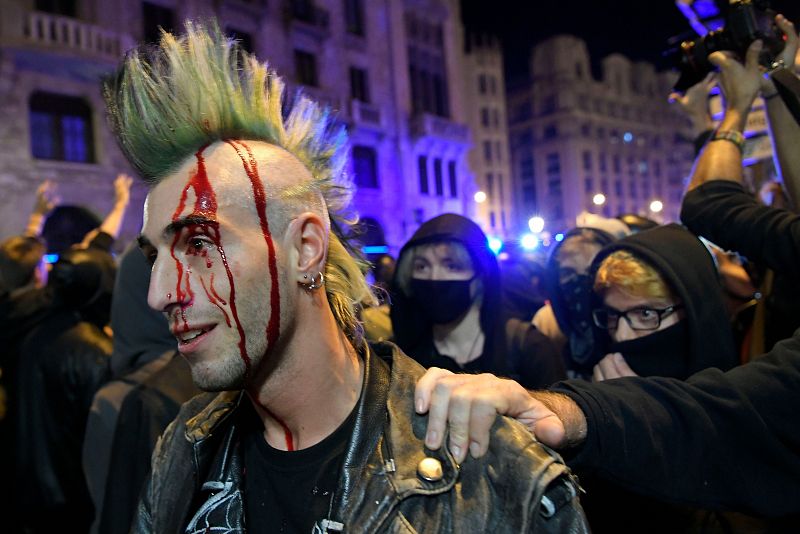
{"type": "Point", "coordinates": [730, 135]}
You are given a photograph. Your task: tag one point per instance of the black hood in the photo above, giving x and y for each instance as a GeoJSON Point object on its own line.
{"type": "Point", "coordinates": [689, 270]}
{"type": "Point", "coordinates": [411, 329]}
{"type": "Point", "coordinates": [141, 334]}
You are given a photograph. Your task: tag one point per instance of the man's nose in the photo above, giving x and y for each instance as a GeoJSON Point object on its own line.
{"type": "Point", "coordinates": [164, 291]}
{"type": "Point", "coordinates": [624, 332]}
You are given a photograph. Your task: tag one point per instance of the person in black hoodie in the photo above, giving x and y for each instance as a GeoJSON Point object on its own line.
{"type": "Point", "coordinates": [663, 306]}
{"type": "Point", "coordinates": [446, 308]}
{"type": "Point", "coordinates": [663, 314]}
{"type": "Point", "coordinates": [569, 288]}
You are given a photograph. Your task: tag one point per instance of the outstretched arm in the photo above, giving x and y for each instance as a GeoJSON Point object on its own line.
{"type": "Point", "coordinates": [716, 440]}
{"type": "Point", "coordinates": [784, 129]}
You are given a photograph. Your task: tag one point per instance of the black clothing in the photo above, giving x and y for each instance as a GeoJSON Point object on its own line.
{"type": "Point", "coordinates": [530, 354]}
{"type": "Point", "coordinates": [519, 486]}
{"type": "Point", "coordinates": [413, 330]}
{"type": "Point", "coordinates": [719, 440]}
{"type": "Point", "coordinates": [285, 491]}
{"type": "Point", "coordinates": [701, 339]}
{"type": "Point", "coordinates": [726, 214]}
{"type": "Point", "coordinates": [147, 410]}
{"type": "Point", "coordinates": [65, 362]}
{"type": "Point", "coordinates": [688, 268]}
{"type": "Point", "coordinates": [141, 334]}
{"type": "Point", "coordinates": [143, 345]}
{"type": "Point", "coordinates": [19, 316]}
{"type": "Point", "coordinates": [573, 310]}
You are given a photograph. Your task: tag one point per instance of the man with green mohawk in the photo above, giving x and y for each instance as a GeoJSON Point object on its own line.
{"type": "Point", "coordinates": [310, 429]}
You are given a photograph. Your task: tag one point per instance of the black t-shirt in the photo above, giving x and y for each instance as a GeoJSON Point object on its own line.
{"type": "Point", "coordinates": [290, 491]}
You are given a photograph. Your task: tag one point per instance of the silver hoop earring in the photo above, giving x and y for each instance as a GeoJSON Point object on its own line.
{"type": "Point", "coordinates": [315, 283]}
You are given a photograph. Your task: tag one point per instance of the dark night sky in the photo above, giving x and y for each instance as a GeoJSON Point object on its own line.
{"type": "Point", "coordinates": [639, 29]}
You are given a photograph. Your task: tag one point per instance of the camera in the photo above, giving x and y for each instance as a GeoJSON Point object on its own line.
{"type": "Point", "coordinates": [744, 22]}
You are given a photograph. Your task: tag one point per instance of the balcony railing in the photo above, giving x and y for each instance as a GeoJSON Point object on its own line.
{"type": "Point", "coordinates": [364, 114]}
{"type": "Point", "coordinates": [427, 125]}
{"type": "Point", "coordinates": [68, 33]}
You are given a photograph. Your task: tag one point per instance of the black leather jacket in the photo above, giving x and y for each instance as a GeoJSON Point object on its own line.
{"type": "Point", "coordinates": [519, 486]}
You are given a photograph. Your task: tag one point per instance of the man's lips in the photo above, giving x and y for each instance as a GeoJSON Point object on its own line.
{"type": "Point", "coordinates": [189, 338]}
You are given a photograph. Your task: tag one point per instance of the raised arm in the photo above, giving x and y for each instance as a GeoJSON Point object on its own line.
{"type": "Point", "coordinates": [113, 222]}
{"type": "Point", "coordinates": [46, 201]}
{"type": "Point", "coordinates": [784, 129]}
{"type": "Point", "coordinates": [717, 206]}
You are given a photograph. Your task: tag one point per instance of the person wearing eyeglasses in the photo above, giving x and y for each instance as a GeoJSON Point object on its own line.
{"type": "Point", "coordinates": [662, 307]}
{"type": "Point", "coordinates": [659, 312]}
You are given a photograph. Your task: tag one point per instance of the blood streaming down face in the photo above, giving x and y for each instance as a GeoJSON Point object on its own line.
{"type": "Point", "coordinates": [205, 255]}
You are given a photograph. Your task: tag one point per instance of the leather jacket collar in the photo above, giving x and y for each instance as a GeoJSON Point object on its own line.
{"type": "Point", "coordinates": [381, 459]}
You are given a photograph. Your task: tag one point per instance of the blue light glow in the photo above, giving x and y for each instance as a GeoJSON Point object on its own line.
{"type": "Point", "coordinates": [375, 249]}
{"type": "Point", "coordinates": [50, 258]}
{"type": "Point", "coordinates": [559, 237]}
{"type": "Point", "coordinates": [495, 244]}
{"type": "Point", "coordinates": [627, 137]}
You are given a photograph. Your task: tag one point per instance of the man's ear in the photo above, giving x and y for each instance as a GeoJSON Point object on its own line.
{"type": "Point", "coordinates": [309, 242]}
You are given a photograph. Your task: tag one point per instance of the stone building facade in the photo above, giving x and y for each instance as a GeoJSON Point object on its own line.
{"type": "Point", "coordinates": [489, 158]}
{"type": "Point", "coordinates": [391, 69]}
{"type": "Point", "coordinates": [573, 136]}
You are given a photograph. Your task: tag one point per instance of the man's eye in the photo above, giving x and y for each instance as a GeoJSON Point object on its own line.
{"type": "Point", "coordinates": [151, 258]}
{"type": "Point", "coordinates": [197, 244]}
{"type": "Point", "coordinates": [646, 313]}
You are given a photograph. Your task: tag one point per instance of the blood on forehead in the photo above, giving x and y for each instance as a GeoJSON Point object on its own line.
{"type": "Point", "coordinates": [205, 208]}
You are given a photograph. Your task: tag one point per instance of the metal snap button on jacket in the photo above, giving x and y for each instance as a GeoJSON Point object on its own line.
{"type": "Point", "coordinates": [430, 469]}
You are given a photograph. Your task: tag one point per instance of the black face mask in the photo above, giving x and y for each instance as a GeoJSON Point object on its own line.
{"type": "Point", "coordinates": [577, 295]}
{"type": "Point", "coordinates": [442, 301]}
{"type": "Point", "coordinates": [662, 353]}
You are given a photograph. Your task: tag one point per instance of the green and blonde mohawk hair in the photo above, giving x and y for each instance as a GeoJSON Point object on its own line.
{"type": "Point", "coordinates": [189, 91]}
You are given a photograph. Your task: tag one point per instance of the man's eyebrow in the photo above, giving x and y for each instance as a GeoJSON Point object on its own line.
{"type": "Point", "coordinates": [176, 226]}
{"type": "Point", "coordinates": [190, 220]}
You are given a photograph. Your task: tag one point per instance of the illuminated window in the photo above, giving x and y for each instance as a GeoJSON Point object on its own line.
{"type": "Point", "coordinates": [60, 128]}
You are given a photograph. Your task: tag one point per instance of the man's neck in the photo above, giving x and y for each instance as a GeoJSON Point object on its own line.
{"type": "Point", "coordinates": [462, 341]}
{"type": "Point", "coordinates": [313, 392]}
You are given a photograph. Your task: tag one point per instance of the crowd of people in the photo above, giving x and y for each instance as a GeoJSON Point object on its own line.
{"type": "Point", "coordinates": [232, 369]}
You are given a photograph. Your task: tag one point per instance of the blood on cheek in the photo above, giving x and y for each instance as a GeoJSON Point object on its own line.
{"type": "Point", "coordinates": [208, 235]}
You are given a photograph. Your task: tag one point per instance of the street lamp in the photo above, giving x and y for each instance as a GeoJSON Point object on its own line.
{"type": "Point", "coordinates": [599, 199]}
{"type": "Point", "coordinates": [536, 224]}
{"type": "Point", "coordinates": [480, 197]}
{"type": "Point", "coordinates": [656, 206]}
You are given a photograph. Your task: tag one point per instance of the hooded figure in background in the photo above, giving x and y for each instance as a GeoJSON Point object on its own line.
{"type": "Point", "coordinates": [569, 288]}
{"type": "Point", "coordinates": [142, 346]}
{"type": "Point", "coordinates": [65, 359]}
{"type": "Point", "coordinates": [446, 308]}
{"type": "Point", "coordinates": [693, 331]}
